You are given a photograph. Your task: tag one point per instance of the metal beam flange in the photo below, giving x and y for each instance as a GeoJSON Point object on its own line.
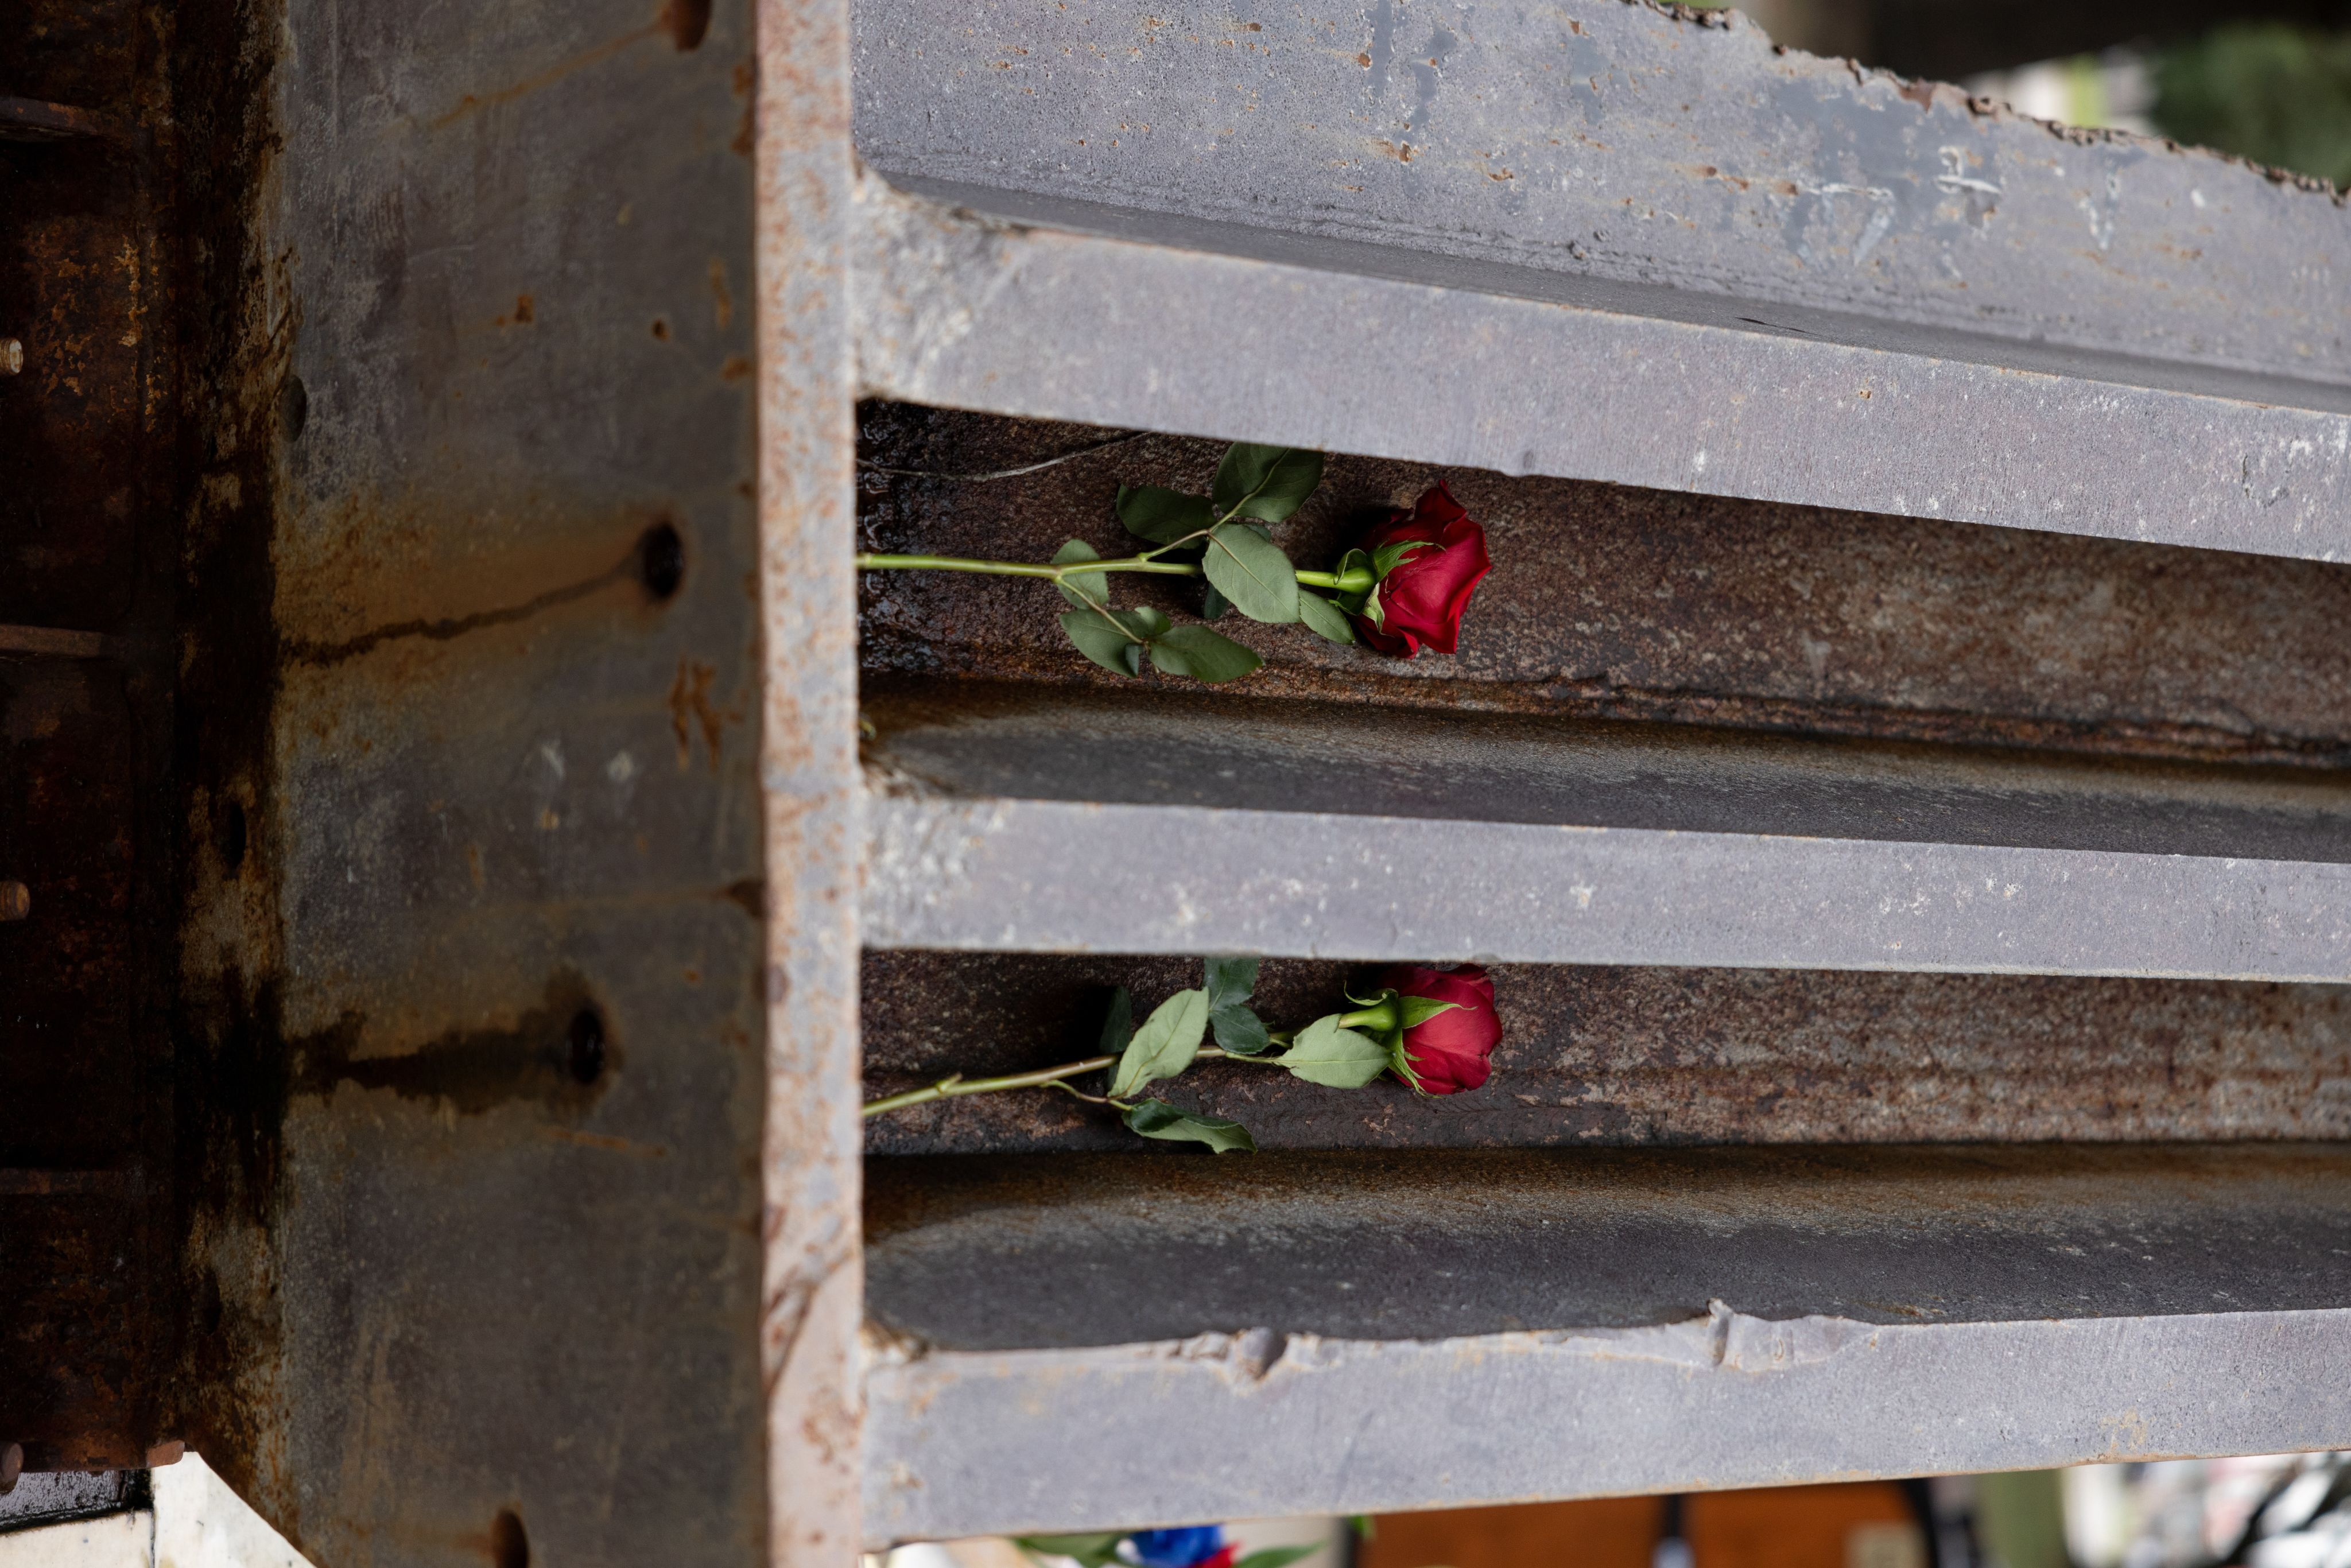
{"type": "Point", "coordinates": [1055, 876]}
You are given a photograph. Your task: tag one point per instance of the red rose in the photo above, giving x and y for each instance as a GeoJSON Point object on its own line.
{"type": "Point", "coordinates": [1419, 600]}
{"type": "Point", "coordinates": [1450, 1052]}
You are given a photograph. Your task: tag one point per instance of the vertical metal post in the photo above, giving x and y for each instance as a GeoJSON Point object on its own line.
{"type": "Point", "coordinates": [812, 1300]}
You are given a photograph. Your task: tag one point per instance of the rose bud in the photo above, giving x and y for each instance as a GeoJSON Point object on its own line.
{"type": "Point", "coordinates": [1448, 1050]}
{"type": "Point", "coordinates": [1427, 563]}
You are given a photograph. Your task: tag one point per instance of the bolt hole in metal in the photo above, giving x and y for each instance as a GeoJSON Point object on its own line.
{"type": "Point", "coordinates": [509, 1547]}
{"type": "Point", "coordinates": [12, 1465]}
{"type": "Point", "coordinates": [293, 408]}
{"type": "Point", "coordinates": [15, 900]}
{"type": "Point", "coordinates": [661, 561]}
{"type": "Point", "coordinates": [687, 22]}
{"type": "Point", "coordinates": [585, 1046]}
{"type": "Point", "coordinates": [231, 838]}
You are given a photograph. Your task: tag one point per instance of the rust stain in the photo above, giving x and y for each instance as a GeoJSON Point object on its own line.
{"type": "Point", "coordinates": [690, 707]}
{"type": "Point", "coordinates": [606, 1142]}
{"type": "Point", "coordinates": [471, 1071]}
{"type": "Point", "coordinates": [442, 629]}
{"type": "Point", "coordinates": [722, 301]}
{"type": "Point", "coordinates": [734, 368]}
{"type": "Point", "coordinates": [471, 103]}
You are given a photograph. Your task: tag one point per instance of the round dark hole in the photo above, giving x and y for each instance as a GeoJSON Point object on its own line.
{"type": "Point", "coordinates": [293, 407]}
{"type": "Point", "coordinates": [688, 22]}
{"type": "Point", "coordinates": [231, 837]}
{"type": "Point", "coordinates": [661, 560]}
{"type": "Point", "coordinates": [587, 1045]}
{"type": "Point", "coordinates": [509, 1547]}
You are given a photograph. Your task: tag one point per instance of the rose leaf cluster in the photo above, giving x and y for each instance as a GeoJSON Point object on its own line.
{"type": "Point", "coordinates": [1435, 1028]}
{"type": "Point", "coordinates": [1228, 535]}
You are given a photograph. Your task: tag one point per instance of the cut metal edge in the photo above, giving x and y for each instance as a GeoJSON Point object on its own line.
{"type": "Point", "coordinates": [1261, 1423]}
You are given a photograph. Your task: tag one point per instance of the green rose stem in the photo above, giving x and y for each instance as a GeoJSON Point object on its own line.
{"type": "Point", "coordinates": [1381, 1018]}
{"type": "Point", "coordinates": [1359, 581]}
{"type": "Point", "coordinates": [955, 1084]}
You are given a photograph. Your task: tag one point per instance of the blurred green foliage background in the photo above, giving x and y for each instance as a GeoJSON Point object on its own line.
{"type": "Point", "coordinates": [2276, 94]}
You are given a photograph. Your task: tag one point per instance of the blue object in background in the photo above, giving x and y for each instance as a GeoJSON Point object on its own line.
{"type": "Point", "coordinates": [1177, 1548]}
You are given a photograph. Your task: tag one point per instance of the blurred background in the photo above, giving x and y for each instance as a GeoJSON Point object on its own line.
{"type": "Point", "coordinates": [2280, 1511]}
{"type": "Point", "coordinates": [2269, 81]}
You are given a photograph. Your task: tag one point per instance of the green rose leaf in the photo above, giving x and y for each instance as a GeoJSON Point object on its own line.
{"type": "Point", "coordinates": [1325, 619]}
{"type": "Point", "coordinates": [1081, 588]}
{"type": "Point", "coordinates": [1325, 1053]}
{"type": "Point", "coordinates": [1418, 1010]}
{"type": "Point", "coordinates": [1214, 604]}
{"type": "Point", "coordinates": [1160, 514]}
{"type": "Point", "coordinates": [1118, 1027]}
{"type": "Point", "coordinates": [1091, 1551]}
{"type": "Point", "coordinates": [1253, 573]}
{"type": "Point", "coordinates": [1166, 1043]}
{"type": "Point", "coordinates": [1268, 483]}
{"type": "Point", "coordinates": [1276, 1556]}
{"type": "Point", "coordinates": [1144, 623]}
{"type": "Point", "coordinates": [1102, 642]}
{"type": "Point", "coordinates": [1158, 1119]}
{"type": "Point", "coordinates": [1203, 654]}
{"type": "Point", "coordinates": [1239, 1031]}
{"type": "Point", "coordinates": [1231, 980]}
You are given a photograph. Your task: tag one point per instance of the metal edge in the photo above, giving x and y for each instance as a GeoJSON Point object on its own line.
{"type": "Point", "coordinates": [1062, 877]}
{"type": "Point", "coordinates": [963, 311]}
{"type": "Point", "coordinates": [811, 1297]}
{"type": "Point", "coordinates": [1259, 1423]}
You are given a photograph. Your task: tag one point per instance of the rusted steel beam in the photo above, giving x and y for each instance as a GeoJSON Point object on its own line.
{"type": "Point", "coordinates": [30, 120]}
{"type": "Point", "coordinates": [1649, 1056]}
{"type": "Point", "coordinates": [1174, 1431]}
{"type": "Point", "coordinates": [1343, 1332]}
{"type": "Point", "coordinates": [812, 1298]}
{"type": "Point", "coordinates": [1620, 604]}
{"type": "Point", "coordinates": [1650, 161]}
{"type": "Point", "coordinates": [1037, 309]}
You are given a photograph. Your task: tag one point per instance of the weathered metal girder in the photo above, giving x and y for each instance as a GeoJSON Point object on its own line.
{"type": "Point", "coordinates": [2041, 813]}
{"type": "Point", "coordinates": [1597, 1056]}
{"type": "Point", "coordinates": [1122, 1341]}
{"type": "Point", "coordinates": [1604, 242]}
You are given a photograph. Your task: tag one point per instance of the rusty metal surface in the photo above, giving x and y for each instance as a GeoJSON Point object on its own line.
{"type": "Point", "coordinates": [1634, 1056]}
{"type": "Point", "coordinates": [1619, 602]}
{"type": "Point", "coordinates": [1050, 310]}
{"type": "Point", "coordinates": [471, 970]}
{"type": "Point", "coordinates": [70, 1056]}
{"type": "Point", "coordinates": [1609, 143]}
{"type": "Point", "coordinates": [812, 1272]}
{"type": "Point", "coordinates": [85, 430]}
{"type": "Point", "coordinates": [1016, 1441]}
{"type": "Point", "coordinates": [88, 448]}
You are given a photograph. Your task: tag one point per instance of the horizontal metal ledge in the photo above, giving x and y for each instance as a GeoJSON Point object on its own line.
{"type": "Point", "coordinates": [1058, 876]}
{"type": "Point", "coordinates": [961, 310]}
{"type": "Point", "coordinates": [1255, 1423]}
